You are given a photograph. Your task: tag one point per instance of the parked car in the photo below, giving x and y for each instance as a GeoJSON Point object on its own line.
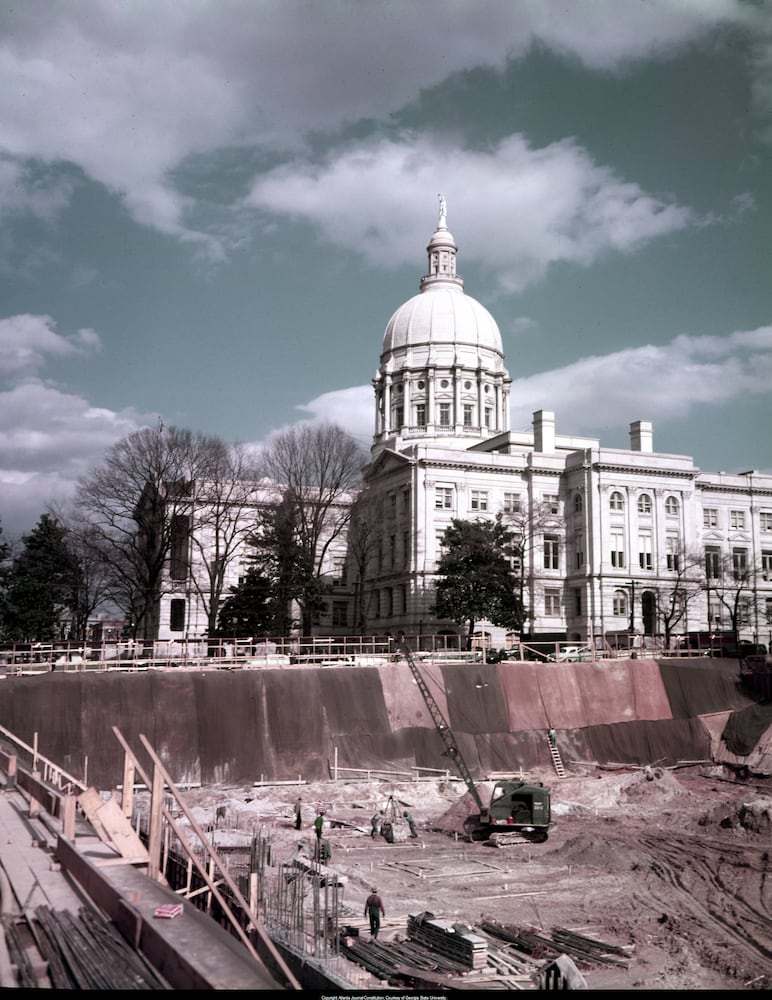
{"type": "Point", "coordinates": [572, 654]}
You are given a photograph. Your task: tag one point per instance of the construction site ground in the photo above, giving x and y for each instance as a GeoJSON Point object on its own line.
{"type": "Point", "coordinates": [672, 867]}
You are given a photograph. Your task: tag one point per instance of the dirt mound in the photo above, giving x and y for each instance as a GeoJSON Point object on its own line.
{"type": "Point", "coordinates": [591, 851]}
{"type": "Point", "coordinates": [652, 784]}
{"type": "Point", "coordinates": [742, 816]}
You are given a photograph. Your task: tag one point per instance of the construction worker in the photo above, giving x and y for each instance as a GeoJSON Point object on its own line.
{"type": "Point", "coordinates": [319, 825]}
{"type": "Point", "coordinates": [375, 824]}
{"type": "Point", "coordinates": [373, 909]}
{"type": "Point", "coordinates": [411, 823]}
{"type": "Point", "coordinates": [553, 738]}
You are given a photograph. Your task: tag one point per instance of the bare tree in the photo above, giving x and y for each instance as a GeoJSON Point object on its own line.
{"type": "Point", "coordinates": [317, 470]}
{"type": "Point", "coordinates": [728, 583]}
{"type": "Point", "coordinates": [675, 596]}
{"type": "Point", "coordinates": [363, 535]}
{"type": "Point", "coordinates": [129, 504]}
{"type": "Point", "coordinates": [211, 535]}
{"type": "Point", "coordinates": [526, 525]}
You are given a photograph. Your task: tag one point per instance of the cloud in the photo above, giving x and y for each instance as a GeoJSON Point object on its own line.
{"type": "Point", "coordinates": [542, 206]}
{"type": "Point", "coordinates": [665, 382]}
{"type": "Point", "coordinates": [27, 342]}
{"type": "Point", "coordinates": [129, 93]}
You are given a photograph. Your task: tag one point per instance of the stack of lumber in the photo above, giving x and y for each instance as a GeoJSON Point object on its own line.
{"type": "Point", "coordinates": [455, 941]}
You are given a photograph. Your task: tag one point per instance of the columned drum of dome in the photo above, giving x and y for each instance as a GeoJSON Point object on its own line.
{"type": "Point", "coordinates": [442, 376]}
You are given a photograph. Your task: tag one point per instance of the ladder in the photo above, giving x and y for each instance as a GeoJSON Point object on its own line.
{"type": "Point", "coordinates": [556, 759]}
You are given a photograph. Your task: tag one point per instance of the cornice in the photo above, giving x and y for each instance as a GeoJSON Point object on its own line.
{"type": "Point", "coordinates": [648, 471]}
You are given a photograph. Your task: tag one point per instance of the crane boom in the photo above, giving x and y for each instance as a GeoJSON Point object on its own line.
{"type": "Point", "coordinates": [444, 730]}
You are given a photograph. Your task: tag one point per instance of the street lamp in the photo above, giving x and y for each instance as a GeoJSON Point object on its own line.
{"type": "Point", "coordinates": [632, 606]}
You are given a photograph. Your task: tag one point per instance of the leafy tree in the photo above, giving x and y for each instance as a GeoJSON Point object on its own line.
{"type": "Point", "coordinates": [42, 586]}
{"type": "Point", "coordinates": [250, 608]}
{"type": "Point", "coordinates": [475, 577]}
{"type": "Point", "coordinates": [316, 470]}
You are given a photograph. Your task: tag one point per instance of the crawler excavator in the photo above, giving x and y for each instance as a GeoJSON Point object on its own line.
{"type": "Point", "coordinates": [518, 812]}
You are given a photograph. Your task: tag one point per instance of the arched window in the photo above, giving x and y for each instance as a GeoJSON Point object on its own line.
{"type": "Point", "coordinates": [578, 503]}
{"type": "Point", "coordinates": [616, 501]}
{"type": "Point", "coordinates": [671, 505]}
{"type": "Point", "coordinates": [644, 504]}
{"type": "Point", "coordinates": [620, 604]}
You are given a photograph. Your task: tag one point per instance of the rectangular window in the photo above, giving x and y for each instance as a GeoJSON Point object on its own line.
{"type": "Point", "coordinates": [178, 547]}
{"type": "Point", "coordinates": [737, 519]}
{"type": "Point", "coordinates": [444, 414]}
{"type": "Point", "coordinates": [467, 414]}
{"type": "Point", "coordinates": [488, 416]}
{"type": "Point", "coordinates": [511, 503]}
{"type": "Point", "coordinates": [577, 601]}
{"type": "Point", "coordinates": [617, 549]}
{"type": "Point", "coordinates": [766, 564]}
{"type": "Point", "coordinates": [551, 552]}
{"type": "Point", "coordinates": [579, 550]}
{"type": "Point", "coordinates": [710, 517]}
{"type": "Point", "coordinates": [392, 550]}
{"type": "Point", "coordinates": [768, 610]}
{"type": "Point", "coordinates": [712, 562]}
{"type": "Point", "coordinates": [177, 615]}
{"type": "Point", "coordinates": [479, 500]}
{"type": "Point", "coordinates": [339, 571]}
{"type": "Point", "coordinates": [765, 520]}
{"type": "Point", "coordinates": [744, 612]}
{"type": "Point", "coordinates": [443, 498]}
{"type": "Point", "coordinates": [420, 414]}
{"type": "Point", "coordinates": [644, 551]}
{"type": "Point", "coordinates": [551, 502]}
{"type": "Point", "coordinates": [405, 548]}
{"type": "Point", "coordinates": [673, 543]}
{"type": "Point", "coordinates": [740, 563]}
{"type": "Point", "coordinates": [340, 614]}
{"type": "Point", "coordinates": [552, 603]}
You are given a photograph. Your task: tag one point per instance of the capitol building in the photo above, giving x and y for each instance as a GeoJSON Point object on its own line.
{"type": "Point", "coordinates": [620, 546]}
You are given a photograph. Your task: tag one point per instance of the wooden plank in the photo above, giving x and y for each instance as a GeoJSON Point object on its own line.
{"type": "Point", "coordinates": [111, 826]}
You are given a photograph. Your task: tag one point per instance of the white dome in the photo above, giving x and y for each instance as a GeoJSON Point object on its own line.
{"type": "Point", "coordinates": [442, 315]}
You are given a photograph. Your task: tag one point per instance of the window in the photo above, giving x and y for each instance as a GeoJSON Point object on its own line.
{"type": "Point", "coordinates": [552, 603]}
{"type": "Point", "coordinates": [405, 548]}
{"type": "Point", "coordinates": [710, 517]}
{"type": "Point", "coordinates": [511, 503]}
{"type": "Point", "coordinates": [765, 520]}
{"type": "Point", "coordinates": [739, 563]}
{"type": "Point", "coordinates": [712, 562]}
{"type": "Point", "coordinates": [488, 415]}
{"type": "Point", "coordinates": [443, 497]}
{"type": "Point", "coordinates": [392, 550]}
{"type": "Point", "coordinates": [444, 414]}
{"type": "Point", "coordinates": [644, 504]}
{"type": "Point", "coordinates": [339, 571]}
{"type": "Point", "coordinates": [673, 543]}
{"type": "Point", "coordinates": [340, 614]}
{"type": "Point", "coordinates": [616, 501]}
{"type": "Point", "coordinates": [577, 601]}
{"type": "Point", "coordinates": [467, 414]}
{"type": "Point", "coordinates": [578, 503]}
{"type": "Point", "coordinates": [768, 610]}
{"type": "Point", "coordinates": [178, 547]}
{"type": "Point", "coordinates": [766, 564]}
{"type": "Point", "coordinates": [479, 500]}
{"type": "Point", "coordinates": [744, 612]}
{"type": "Point", "coordinates": [551, 502]}
{"type": "Point", "coordinates": [551, 552]}
{"type": "Point", "coordinates": [617, 549]}
{"type": "Point", "coordinates": [737, 519]}
{"type": "Point", "coordinates": [579, 550]}
{"type": "Point", "coordinates": [619, 604]}
{"type": "Point", "coordinates": [644, 550]}
{"type": "Point", "coordinates": [671, 506]}
{"type": "Point", "coordinates": [420, 414]}
{"type": "Point", "coordinates": [399, 415]}
{"type": "Point", "coordinates": [177, 615]}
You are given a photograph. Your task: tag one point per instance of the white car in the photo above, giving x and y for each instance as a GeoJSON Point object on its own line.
{"type": "Point", "coordinates": [572, 654]}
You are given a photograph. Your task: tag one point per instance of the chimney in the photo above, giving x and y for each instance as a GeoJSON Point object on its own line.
{"type": "Point", "coordinates": [544, 431]}
{"type": "Point", "coordinates": [641, 436]}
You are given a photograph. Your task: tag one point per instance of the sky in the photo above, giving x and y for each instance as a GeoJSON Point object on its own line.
{"type": "Point", "coordinates": [211, 208]}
